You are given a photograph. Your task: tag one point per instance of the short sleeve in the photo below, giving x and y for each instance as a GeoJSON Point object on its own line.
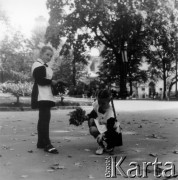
{"type": "Point", "coordinates": [92, 114]}
{"type": "Point", "coordinates": [110, 113]}
{"type": "Point", "coordinates": [95, 105]}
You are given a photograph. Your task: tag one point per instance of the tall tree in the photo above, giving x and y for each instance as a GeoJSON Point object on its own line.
{"type": "Point", "coordinates": [108, 22]}
{"type": "Point", "coordinates": [162, 27]}
{"type": "Point", "coordinates": [74, 47]}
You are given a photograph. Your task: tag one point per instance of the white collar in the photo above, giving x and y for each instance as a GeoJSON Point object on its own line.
{"type": "Point", "coordinates": [40, 60]}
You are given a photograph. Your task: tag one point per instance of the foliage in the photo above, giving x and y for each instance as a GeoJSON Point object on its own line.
{"type": "Point", "coordinates": [74, 46]}
{"type": "Point", "coordinates": [59, 88]}
{"type": "Point", "coordinates": [64, 70]}
{"type": "Point", "coordinates": [77, 117]}
{"type": "Point", "coordinates": [17, 89]}
{"type": "Point", "coordinates": [15, 55]}
{"type": "Point", "coordinates": [131, 26]}
{"type": "Point", "coordinates": [76, 90]}
{"type": "Point", "coordinates": [162, 24]}
{"type": "Point", "coordinates": [111, 23]}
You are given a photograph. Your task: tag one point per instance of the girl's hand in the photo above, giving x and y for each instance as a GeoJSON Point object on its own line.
{"type": "Point", "coordinates": [100, 137]}
{"type": "Point", "coordinates": [54, 82]}
{"type": "Point", "coordinates": [61, 81]}
{"type": "Point", "coordinates": [101, 121]}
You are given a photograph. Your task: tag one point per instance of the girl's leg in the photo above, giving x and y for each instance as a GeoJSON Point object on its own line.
{"type": "Point", "coordinates": [92, 128]}
{"type": "Point", "coordinates": [94, 131]}
{"type": "Point", "coordinates": [43, 127]}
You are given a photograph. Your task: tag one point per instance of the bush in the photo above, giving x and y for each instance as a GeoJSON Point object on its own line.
{"type": "Point", "coordinates": [17, 89]}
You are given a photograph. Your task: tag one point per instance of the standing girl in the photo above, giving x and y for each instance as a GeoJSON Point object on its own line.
{"type": "Point", "coordinates": [42, 97]}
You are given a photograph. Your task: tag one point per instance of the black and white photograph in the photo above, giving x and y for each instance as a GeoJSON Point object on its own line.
{"type": "Point", "coordinates": [88, 89]}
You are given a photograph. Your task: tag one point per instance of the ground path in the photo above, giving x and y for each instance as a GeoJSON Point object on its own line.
{"type": "Point", "coordinates": [149, 131]}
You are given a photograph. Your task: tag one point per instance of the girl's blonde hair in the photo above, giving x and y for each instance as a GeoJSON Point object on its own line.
{"type": "Point", "coordinates": [44, 49]}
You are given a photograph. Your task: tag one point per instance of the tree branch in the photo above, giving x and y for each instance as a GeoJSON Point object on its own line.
{"type": "Point", "coordinates": [105, 42]}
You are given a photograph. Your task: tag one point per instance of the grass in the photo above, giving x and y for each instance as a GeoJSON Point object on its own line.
{"type": "Point", "coordinates": [11, 101]}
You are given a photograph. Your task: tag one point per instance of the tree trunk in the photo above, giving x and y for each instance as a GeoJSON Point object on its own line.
{"type": "Point", "coordinates": [18, 100]}
{"type": "Point", "coordinates": [2, 77]}
{"type": "Point", "coordinates": [123, 89]}
{"type": "Point", "coordinates": [131, 90]}
{"type": "Point", "coordinates": [74, 72]}
{"type": "Point", "coordinates": [164, 80]}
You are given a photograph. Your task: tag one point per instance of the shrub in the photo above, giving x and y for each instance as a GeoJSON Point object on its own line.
{"type": "Point", "coordinates": [17, 89]}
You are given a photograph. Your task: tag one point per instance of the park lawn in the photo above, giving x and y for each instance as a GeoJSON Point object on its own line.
{"type": "Point", "coordinates": [11, 101]}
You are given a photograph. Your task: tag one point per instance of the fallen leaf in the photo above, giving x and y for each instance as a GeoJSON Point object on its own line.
{"type": "Point", "coordinates": [90, 177]}
{"type": "Point", "coordinates": [175, 151]}
{"type": "Point", "coordinates": [78, 164]}
{"type": "Point", "coordinates": [154, 136]}
{"type": "Point", "coordinates": [5, 147]}
{"type": "Point", "coordinates": [56, 166]}
{"type": "Point", "coordinates": [50, 170]}
{"type": "Point", "coordinates": [24, 176]}
{"type": "Point", "coordinates": [137, 150]}
{"type": "Point", "coordinates": [30, 151]}
{"type": "Point", "coordinates": [87, 150]}
{"type": "Point", "coordinates": [60, 167]}
{"type": "Point", "coordinates": [153, 154]}
{"type": "Point", "coordinates": [68, 140]}
{"type": "Point", "coordinates": [144, 120]}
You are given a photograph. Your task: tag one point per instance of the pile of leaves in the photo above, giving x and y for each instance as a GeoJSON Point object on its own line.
{"type": "Point", "coordinates": [77, 117]}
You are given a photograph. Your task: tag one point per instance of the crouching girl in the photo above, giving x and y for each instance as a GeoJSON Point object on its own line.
{"type": "Point", "coordinates": [103, 125]}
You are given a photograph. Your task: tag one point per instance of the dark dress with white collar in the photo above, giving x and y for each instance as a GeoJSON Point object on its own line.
{"type": "Point", "coordinates": [44, 100]}
{"type": "Point", "coordinates": [43, 77]}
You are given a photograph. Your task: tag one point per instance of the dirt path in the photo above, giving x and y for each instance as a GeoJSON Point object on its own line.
{"type": "Point", "coordinates": [146, 135]}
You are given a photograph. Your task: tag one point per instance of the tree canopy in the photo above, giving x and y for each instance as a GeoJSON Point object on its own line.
{"type": "Point", "coordinates": [127, 28]}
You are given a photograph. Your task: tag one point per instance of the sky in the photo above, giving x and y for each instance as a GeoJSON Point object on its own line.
{"type": "Point", "coordinates": [22, 13]}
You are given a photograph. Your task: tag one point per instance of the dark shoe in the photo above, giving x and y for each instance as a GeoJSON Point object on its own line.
{"type": "Point", "coordinates": [50, 149]}
{"type": "Point", "coordinates": [110, 150]}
